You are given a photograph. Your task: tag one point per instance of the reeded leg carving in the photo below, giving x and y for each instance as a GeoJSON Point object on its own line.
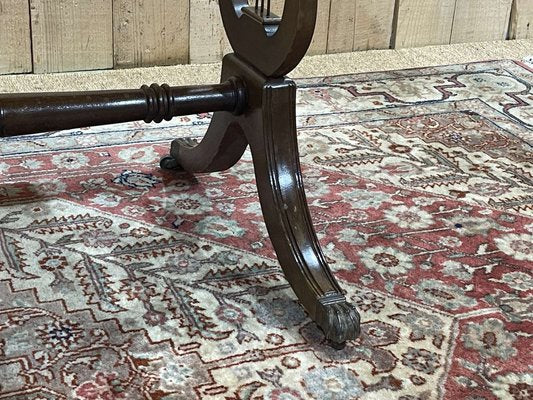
{"type": "Point", "coordinates": [268, 124]}
{"type": "Point", "coordinates": [281, 191]}
{"type": "Point", "coordinates": [338, 319]}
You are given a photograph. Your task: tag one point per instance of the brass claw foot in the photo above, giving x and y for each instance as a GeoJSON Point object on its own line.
{"type": "Point", "coordinates": [339, 321]}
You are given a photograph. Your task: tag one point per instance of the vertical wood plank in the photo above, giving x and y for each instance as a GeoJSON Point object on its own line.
{"type": "Point", "coordinates": [481, 20]}
{"type": "Point", "coordinates": [208, 42]}
{"type": "Point", "coordinates": [373, 24]}
{"type": "Point", "coordinates": [423, 22]}
{"type": "Point", "coordinates": [15, 43]}
{"type": "Point", "coordinates": [341, 26]}
{"type": "Point", "coordinates": [319, 44]}
{"type": "Point", "coordinates": [522, 20]}
{"type": "Point", "coordinates": [277, 6]}
{"type": "Point", "coordinates": [71, 35]}
{"type": "Point", "coordinates": [150, 32]}
{"type": "Point", "coordinates": [320, 37]}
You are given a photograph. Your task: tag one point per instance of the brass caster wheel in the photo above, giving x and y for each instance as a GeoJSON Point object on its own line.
{"type": "Point", "coordinates": [169, 163]}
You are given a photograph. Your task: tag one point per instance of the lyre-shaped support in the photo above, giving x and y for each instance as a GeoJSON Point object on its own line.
{"type": "Point", "coordinates": [274, 49]}
{"type": "Point", "coordinates": [254, 105]}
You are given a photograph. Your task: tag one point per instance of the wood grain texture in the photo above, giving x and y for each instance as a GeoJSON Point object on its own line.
{"type": "Point", "coordinates": [277, 6]}
{"type": "Point", "coordinates": [208, 42]}
{"type": "Point", "coordinates": [373, 24]}
{"type": "Point", "coordinates": [150, 32]}
{"type": "Point", "coordinates": [320, 38]}
{"type": "Point", "coordinates": [521, 20]}
{"type": "Point", "coordinates": [341, 26]}
{"type": "Point", "coordinates": [423, 22]}
{"type": "Point", "coordinates": [481, 20]}
{"type": "Point", "coordinates": [68, 35]}
{"type": "Point", "coordinates": [15, 41]}
{"type": "Point", "coordinates": [319, 45]}
{"type": "Point", "coordinates": [71, 35]}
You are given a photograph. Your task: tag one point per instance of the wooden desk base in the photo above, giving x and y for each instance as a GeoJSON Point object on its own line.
{"type": "Point", "coordinates": [254, 105]}
{"type": "Point", "coordinates": [268, 125]}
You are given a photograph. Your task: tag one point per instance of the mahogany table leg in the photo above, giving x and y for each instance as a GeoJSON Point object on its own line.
{"type": "Point", "coordinates": [222, 146]}
{"type": "Point", "coordinates": [268, 124]}
{"type": "Point", "coordinates": [284, 204]}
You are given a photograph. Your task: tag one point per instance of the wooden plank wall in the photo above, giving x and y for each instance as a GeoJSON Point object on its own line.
{"type": "Point", "coordinates": [423, 22]}
{"type": "Point", "coordinates": [68, 35]}
{"type": "Point", "coordinates": [15, 43]}
{"type": "Point", "coordinates": [150, 33]}
{"type": "Point", "coordinates": [522, 20]}
{"type": "Point", "coordinates": [373, 24]}
{"type": "Point", "coordinates": [477, 20]}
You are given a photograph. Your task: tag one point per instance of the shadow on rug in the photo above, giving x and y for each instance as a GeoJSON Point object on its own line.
{"type": "Point", "coordinates": [122, 281]}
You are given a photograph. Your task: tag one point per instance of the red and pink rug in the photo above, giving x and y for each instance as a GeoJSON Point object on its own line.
{"type": "Point", "coordinates": [122, 281]}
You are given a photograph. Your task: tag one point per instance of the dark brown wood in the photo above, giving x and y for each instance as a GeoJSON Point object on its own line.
{"type": "Point", "coordinates": [254, 106]}
{"type": "Point", "coordinates": [274, 48]}
{"type": "Point", "coordinates": [26, 113]}
{"type": "Point", "coordinates": [268, 125]}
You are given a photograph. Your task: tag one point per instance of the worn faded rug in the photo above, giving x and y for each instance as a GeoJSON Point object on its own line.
{"type": "Point", "coordinates": [122, 281]}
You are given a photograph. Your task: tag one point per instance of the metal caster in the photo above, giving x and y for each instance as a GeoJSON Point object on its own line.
{"type": "Point", "coordinates": [169, 163]}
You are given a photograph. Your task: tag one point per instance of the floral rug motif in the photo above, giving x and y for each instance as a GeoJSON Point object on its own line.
{"type": "Point", "coordinates": [122, 281]}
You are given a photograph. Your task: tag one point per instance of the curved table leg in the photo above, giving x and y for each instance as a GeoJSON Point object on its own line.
{"type": "Point", "coordinates": [224, 142]}
{"type": "Point", "coordinates": [223, 145]}
{"type": "Point", "coordinates": [275, 153]}
{"type": "Point", "coordinates": [268, 124]}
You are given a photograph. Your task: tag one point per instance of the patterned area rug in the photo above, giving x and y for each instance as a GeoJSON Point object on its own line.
{"type": "Point", "coordinates": [122, 281]}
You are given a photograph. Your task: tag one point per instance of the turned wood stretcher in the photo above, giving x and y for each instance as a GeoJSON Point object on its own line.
{"type": "Point", "coordinates": [254, 105]}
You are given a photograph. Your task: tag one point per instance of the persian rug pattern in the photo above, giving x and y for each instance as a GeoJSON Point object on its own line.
{"type": "Point", "coordinates": [122, 281]}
